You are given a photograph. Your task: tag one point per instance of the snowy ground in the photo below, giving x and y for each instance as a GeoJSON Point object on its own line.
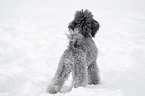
{"type": "Point", "coordinates": [32, 39]}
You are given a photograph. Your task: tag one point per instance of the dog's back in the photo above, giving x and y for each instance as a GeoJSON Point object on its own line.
{"type": "Point", "coordinates": [80, 43]}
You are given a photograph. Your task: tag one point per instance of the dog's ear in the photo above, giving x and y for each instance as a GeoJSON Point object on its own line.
{"type": "Point", "coordinates": [95, 27]}
{"type": "Point", "coordinates": [72, 25]}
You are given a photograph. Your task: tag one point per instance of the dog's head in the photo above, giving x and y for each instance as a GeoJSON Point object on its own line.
{"type": "Point", "coordinates": [84, 21]}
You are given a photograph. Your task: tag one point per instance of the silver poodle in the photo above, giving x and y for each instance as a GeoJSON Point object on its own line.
{"type": "Point", "coordinates": [80, 56]}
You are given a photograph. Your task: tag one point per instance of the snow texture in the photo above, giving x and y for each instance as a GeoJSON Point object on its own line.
{"type": "Point", "coordinates": [32, 40]}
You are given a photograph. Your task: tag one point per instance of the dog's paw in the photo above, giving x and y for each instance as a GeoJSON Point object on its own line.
{"type": "Point", "coordinates": [76, 85]}
{"type": "Point", "coordinates": [52, 90]}
{"type": "Point", "coordinates": [94, 82]}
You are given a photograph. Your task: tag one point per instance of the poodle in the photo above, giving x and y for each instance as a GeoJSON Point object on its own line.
{"type": "Point", "coordinates": [80, 56]}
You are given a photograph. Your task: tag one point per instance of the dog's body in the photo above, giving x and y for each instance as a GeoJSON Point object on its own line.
{"type": "Point", "coordinates": [81, 54]}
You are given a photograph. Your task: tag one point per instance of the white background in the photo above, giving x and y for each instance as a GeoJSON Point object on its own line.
{"type": "Point", "coordinates": [32, 39]}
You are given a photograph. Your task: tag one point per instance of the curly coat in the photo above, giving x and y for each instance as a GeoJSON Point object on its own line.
{"type": "Point", "coordinates": [80, 56]}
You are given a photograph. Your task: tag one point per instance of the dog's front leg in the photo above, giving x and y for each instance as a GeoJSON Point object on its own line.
{"type": "Point", "coordinates": [93, 74]}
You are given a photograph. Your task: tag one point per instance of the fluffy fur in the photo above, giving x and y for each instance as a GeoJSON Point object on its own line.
{"type": "Point", "coordinates": [80, 56]}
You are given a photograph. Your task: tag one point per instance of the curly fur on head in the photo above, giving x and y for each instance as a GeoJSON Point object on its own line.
{"type": "Point", "coordinates": [84, 21]}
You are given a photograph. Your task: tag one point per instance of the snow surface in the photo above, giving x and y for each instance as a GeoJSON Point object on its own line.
{"type": "Point", "coordinates": [32, 39]}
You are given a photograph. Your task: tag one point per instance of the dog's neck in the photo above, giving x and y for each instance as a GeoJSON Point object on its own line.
{"type": "Point", "coordinates": [79, 44]}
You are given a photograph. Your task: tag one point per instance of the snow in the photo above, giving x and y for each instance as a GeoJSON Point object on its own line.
{"type": "Point", "coordinates": [32, 39]}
